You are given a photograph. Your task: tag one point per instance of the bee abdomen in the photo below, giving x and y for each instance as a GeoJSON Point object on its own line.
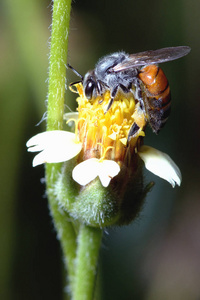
{"type": "Point", "coordinates": [158, 97]}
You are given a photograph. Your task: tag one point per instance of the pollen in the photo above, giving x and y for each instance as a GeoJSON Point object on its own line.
{"type": "Point", "coordinates": [108, 132]}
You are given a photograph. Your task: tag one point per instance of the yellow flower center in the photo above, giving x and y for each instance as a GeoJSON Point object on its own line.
{"type": "Point", "coordinates": [105, 132]}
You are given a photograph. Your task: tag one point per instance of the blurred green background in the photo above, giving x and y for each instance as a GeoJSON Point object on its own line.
{"type": "Point", "coordinates": [158, 256]}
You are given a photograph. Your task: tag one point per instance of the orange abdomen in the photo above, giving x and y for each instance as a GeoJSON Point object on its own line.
{"type": "Point", "coordinates": [158, 96]}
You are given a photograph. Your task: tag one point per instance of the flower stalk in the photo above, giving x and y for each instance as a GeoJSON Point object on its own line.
{"type": "Point", "coordinates": [89, 241]}
{"type": "Point", "coordinates": [57, 77]}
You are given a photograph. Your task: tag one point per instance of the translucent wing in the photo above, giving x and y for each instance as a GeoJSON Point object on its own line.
{"type": "Point", "coordinates": [151, 57]}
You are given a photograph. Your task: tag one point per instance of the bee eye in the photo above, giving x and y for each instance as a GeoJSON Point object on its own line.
{"type": "Point", "coordinates": [89, 89]}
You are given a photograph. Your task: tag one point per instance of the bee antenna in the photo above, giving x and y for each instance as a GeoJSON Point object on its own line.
{"type": "Point", "coordinates": [76, 72]}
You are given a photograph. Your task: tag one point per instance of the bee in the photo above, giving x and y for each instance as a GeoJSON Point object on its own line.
{"type": "Point", "coordinates": [137, 74]}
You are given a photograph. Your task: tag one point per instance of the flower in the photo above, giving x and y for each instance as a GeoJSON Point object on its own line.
{"type": "Point", "coordinates": [104, 142]}
{"type": "Point", "coordinates": [59, 146]}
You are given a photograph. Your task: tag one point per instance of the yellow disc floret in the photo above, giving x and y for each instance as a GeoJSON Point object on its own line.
{"type": "Point", "coordinates": [99, 126]}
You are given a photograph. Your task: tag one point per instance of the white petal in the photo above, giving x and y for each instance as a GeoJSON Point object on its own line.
{"type": "Point", "coordinates": [86, 171]}
{"type": "Point", "coordinates": [108, 169]}
{"type": "Point", "coordinates": [89, 169]}
{"type": "Point", "coordinates": [71, 115]}
{"type": "Point", "coordinates": [55, 146]}
{"type": "Point", "coordinates": [45, 138]}
{"type": "Point", "coordinates": [160, 164]}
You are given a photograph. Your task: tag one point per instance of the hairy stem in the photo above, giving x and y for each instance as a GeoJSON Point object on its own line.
{"type": "Point", "coordinates": [89, 241]}
{"type": "Point", "coordinates": [57, 77]}
{"type": "Point", "coordinates": [57, 67]}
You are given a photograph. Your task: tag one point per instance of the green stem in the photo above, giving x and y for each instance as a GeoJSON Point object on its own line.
{"type": "Point", "coordinates": [63, 224]}
{"type": "Point", "coordinates": [58, 59]}
{"type": "Point", "coordinates": [57, 77]}
{"type": "Point", "coordinates": [89, 241]}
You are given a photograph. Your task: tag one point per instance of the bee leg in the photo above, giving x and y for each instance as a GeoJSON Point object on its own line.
{"type": "Point", "coordinates": [133, 130]}
{"type": "Point", "coordinates": [138, 93]}
{"type": "Point", "coordinates": [124, 88]}
{"type": "Point", "coordinates": [114, 93]}
{"type": "Point", "coordinates": [100, 86]}
{"type": "Point", "coordinates": [109, 105]}
{"type": "Point", "coordinates": [100, 90]}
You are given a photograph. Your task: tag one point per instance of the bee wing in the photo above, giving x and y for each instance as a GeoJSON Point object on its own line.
{"type": "Point", "coordinates": [151, 57]}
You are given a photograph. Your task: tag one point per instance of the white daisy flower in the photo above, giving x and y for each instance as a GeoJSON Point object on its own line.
{"type": "Point", "coordinates": [59, 146]}
{"type": "Point", "coordinates": [101, 136]}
